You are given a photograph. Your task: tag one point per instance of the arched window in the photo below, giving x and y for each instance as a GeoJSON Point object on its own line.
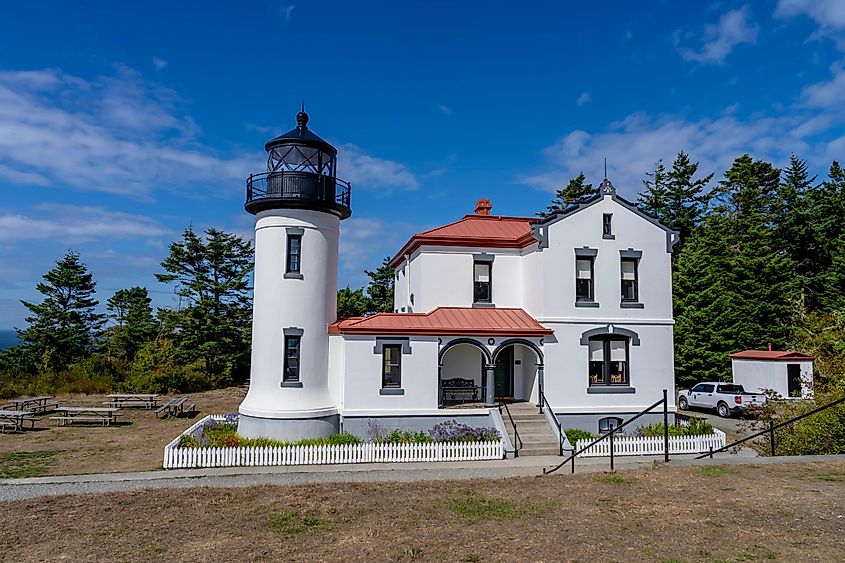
{"type": "Point", "coordinates": [609, 363]}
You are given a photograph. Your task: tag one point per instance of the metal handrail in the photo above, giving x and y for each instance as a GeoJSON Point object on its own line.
{"type": "Point", "coordinates": [340, 194]}
{"type": "Point", "coordinates": [609, 435]}
{"type": "Point", "coordinates": [771, 429]}
{"type": "Point", "coordinates": [517, 441]}
{"type": "Point", "coordinates": [545, 403]}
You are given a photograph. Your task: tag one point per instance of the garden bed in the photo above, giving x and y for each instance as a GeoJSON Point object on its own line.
{"type": "Point", "coordinates": [214, 442]}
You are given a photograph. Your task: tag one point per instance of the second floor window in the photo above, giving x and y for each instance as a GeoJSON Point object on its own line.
{"type": "Point", "coordinates": [291, 367]}
{"type": "Point", "coordinates": [607, 225]}
{"type": "Point", "coordinates": [482, 282]}
{"type": "Point", "coordinates": [391, 373]}
{"type": "Point", "coordinates": [584, 279]}
{"type": "Point", "coordinates": [294, 254]}
{"type": "Point", "coordinates": [630, 289]}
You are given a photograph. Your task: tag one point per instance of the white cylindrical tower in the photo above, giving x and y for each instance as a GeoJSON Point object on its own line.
{"type": "Point", "coordinates": [298, 205]}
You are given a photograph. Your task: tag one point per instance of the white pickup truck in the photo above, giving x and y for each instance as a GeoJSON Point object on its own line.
{"type": "Point", "coordinates": [725, 398]}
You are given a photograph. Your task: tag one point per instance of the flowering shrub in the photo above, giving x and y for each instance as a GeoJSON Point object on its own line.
{"type": "Point", "coordinates": [697, 427]}
{"type": "Point", "coordinates": [454, 431]}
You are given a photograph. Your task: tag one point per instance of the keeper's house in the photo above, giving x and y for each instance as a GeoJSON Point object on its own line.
{"type": "Point", "coordinates": [573, 311]}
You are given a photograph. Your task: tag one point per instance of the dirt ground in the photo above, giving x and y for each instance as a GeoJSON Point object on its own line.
{"type": "Point", "coordinates": [136, 443]}
{"type": "Point", "coordinates": [790, 512]}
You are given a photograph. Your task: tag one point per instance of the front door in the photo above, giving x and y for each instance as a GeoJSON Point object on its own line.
{"type": "Point", "coordinates": [504, 374]}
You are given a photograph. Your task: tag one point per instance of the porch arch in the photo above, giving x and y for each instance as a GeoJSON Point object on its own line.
{"type": "Point", "coordinates": [522, 341]}
{"type": "Point", "coordinates": [458, 341]}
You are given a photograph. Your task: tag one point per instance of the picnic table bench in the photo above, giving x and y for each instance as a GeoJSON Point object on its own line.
{"type": "Point", "coordinates": [33, 404]}
{"type": "Point", "coordinates": [15, 420]}
{"type": "Point", "coordinates": [103, 415]}
{"type": "Point", "coordinates": [146, 400]}
{"type": "Point", "coordinates": [176, 407]}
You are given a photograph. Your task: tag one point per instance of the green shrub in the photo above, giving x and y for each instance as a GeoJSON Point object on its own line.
{"type": "Point", "coordinates": [575, 434]}
{"type": "Point", "coordinates": [399, 436]}
{"type": "Point", "coordinates": [697, 427]}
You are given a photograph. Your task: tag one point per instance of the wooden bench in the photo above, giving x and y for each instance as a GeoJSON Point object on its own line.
{"type": "Point", "coordinates": [66, 420]}
{"type": "Point", "coordinates": [190, 410]}
{"type": "Point", "coordinates": [7, 425]}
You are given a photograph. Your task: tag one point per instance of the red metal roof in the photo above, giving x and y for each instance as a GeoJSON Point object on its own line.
{"type": "Point", "coordinates": [446, 321]}
{"type": "Point", "coordinates": [773, 355]}
{"type": "Point", "coordinates": [490, 231]}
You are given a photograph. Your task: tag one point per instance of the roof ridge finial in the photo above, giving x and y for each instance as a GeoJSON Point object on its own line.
{"type": "Point", "coordinates": [605, 168]}
{"type": "Point", "coordinates": [302, 117]}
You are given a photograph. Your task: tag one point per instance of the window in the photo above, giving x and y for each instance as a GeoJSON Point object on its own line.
{"type": "Point", "coordinates": [730, 389]}
{"type": "Point", "coordinates": [391, 374]}
{"type": "Point", "coordinates": [584, 279]}
{"type": "Point", "coordinates": [482, 283]}
{"type": "Point", "coordinates": [291, 368]}
{"type": "Point", "coordinates": [294, 253]}
{"type": "Point", "coordinates": [607, 226]}
{"type": "Point", "coordinates": [630, 289]}
{"type": "Point", "coordinates": [609, 423]}
{"type": "Point", "coordinates": [608, 361]}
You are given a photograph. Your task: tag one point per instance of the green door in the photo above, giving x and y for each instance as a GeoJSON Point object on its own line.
{"type": "Point", "coordinates": [504, 374]}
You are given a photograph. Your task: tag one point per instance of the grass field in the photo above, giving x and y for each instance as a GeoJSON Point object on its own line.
{"type": "Point", "coordinates": [790, 512]}
{"type": "Point", "coordinates": [135, 444]}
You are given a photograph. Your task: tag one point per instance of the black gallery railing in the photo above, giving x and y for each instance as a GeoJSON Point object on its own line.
{"type": "Point", "coordinates": [305, 186]}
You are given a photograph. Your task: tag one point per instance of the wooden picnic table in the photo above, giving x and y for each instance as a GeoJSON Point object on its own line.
{"type": "Point", "coordinates": [104, 415]}
{"type": "Point", "coordinates": [146, 400]}
{"type": "Point", "coordinates": [176, 407]}
{"type": "Point", "coordinates": [15, 419]}
{"type": "Point", "coordinates": [33, 404]}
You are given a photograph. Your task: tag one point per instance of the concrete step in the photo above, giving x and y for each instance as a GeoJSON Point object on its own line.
{"type": "Point", "coordinates": [539, 450]}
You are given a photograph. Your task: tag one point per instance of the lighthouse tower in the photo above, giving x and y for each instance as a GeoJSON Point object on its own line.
{"type": "Point", "coordinates": [298, 205]}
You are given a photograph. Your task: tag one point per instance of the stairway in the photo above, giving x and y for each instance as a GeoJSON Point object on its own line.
{"type": "Point", "coordinates": [537, 436]}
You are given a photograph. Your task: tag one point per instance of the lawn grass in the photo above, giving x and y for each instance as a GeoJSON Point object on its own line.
{"type": "Point", "coordinates": [714, 470]}
{"type": "Point", "coordinates": [15, 465]}
{"type": "Point", "coordinates": [478, 507]}
{"type": "Point", "coordinates": [292, 522]}
{"type": "Point", "coordinates": [612, 478]}
{"type": "Point", "coordinates": [832, 476]}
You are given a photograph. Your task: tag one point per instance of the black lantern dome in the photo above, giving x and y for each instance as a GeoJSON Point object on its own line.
{"type": "Point", "coordinates": [301, 174]}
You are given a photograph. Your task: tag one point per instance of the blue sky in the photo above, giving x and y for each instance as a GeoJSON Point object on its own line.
{"type": "Point", "coordinates": [122, 124]}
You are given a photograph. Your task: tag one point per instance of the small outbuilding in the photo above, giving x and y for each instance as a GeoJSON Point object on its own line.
{"type": "Point", "coordinates": [788, 373]}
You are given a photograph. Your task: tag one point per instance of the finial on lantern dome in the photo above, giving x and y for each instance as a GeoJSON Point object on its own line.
{"type": "Point", "coordinates": [302, 117]}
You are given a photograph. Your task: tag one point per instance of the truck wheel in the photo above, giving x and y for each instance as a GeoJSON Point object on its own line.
{"type": "Point", "coordinates": [723, 410]}
{"type": "Point", "coordinates": [683, 404]}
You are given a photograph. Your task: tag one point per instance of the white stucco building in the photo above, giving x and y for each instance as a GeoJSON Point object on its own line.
{"type": "Point", "coordinates": [573, 311]}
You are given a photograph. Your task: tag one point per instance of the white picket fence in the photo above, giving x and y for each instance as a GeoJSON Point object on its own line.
{"type": "Point", "coordinates": [178, 458]}
{"type": "Point", "coordinates": [653, 445]}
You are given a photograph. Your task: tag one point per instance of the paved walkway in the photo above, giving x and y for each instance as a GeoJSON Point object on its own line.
{"type": "Point", "coordinates": [34, 487]}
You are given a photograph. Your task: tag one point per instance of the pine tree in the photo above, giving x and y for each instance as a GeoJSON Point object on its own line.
{"type": "Point", "coordinates": [749, 189]}
{"type": "Point", "coordinates": [213, 323]}
{"type": "Point", "coordinates": [825, 210]}
{"type": "Point", "coordinates": [352, 303]}
{"type": "Point", "coordinates": [64, 326]}
{"type": "Point", "coordinates": [577, 189]}
{"type": "Point", "coordinates": [134, 323]}
{"type": "Point", "coordinates": [380, 288]}
{"type": "Point", "coordinates": [654, 198]}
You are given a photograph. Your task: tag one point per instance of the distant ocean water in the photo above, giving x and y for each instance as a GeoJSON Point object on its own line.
{"type": "Point", "coordinates": [8, 338]}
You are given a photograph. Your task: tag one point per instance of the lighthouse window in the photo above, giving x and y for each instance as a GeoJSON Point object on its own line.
{"type": "Point", "coordinates": [291, 368]}
{"type": "Point", "coordinates": [294, 254]}
{"type": "Point", "coordinates": [482, 283]}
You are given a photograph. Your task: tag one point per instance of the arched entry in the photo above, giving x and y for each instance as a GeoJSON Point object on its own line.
{"type": "Point", "coordinates": [462, 374]}
{"type": "Point", "coordinates": [518, 374]}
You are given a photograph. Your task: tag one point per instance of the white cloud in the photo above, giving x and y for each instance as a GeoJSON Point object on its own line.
{"type": "Point", "coordinates": [718, 40]}
{"type": "Point", "coordinates": [828, 14]}
{"type": "Point", "coordinates": [71, 224]}
{"type": "Point", "coordinates": [116, 134]}
{"type": "Point", "coordinates": [444, 109]}
{"type": "Point", "coordinates": [369, 172]}
{"type": "Point", "coordinates": [826, 94]}
{"type": "Point", "coordinates": [365, 242]}
{"type": "Point", "coordinates": [160, 64]}
{"type": "Point", "coordinates": [584, 98]}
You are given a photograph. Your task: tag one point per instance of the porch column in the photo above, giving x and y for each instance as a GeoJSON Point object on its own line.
{"type": "Point", "coordinates": [491, 385]}
{"type": "Point", "coordinates": [540, 383]}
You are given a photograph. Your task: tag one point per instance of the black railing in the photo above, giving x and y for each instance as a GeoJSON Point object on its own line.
{"type": "Point", "coordinates": [298, 186]}
{"type": "Point", "coordinates": [517, 441]}
{"type": "Point", "coordinates": [462, 394]}
{"type": "Point", "coordinates": [771, 430]}
{"type": "Point", "coordinates": [609, 436]}
{"type": "Point", "coordinates": [544, 403]}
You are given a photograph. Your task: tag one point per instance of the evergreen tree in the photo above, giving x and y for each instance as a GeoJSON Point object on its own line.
{"type": "Point", "coordinates": [352, 303]}
{"type": "Point", "coordinates": [380, 288]}
{"type": "Point", "coordinates": [134, 323]}
{"type": "Point", "coordinates": [211, 277]}
{"type": "Point", "coordinates": [63, 327]}
{"type": "Point", "coordinates": [654, 198]}
{"type": "Point", "coordinates": [575, 190]}
{"type": "Point", "coordinates": [749, 189]}
{"type": "Point", "coordinates": [825, 210]}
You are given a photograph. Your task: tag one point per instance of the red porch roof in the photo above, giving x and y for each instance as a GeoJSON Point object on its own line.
{"type": "Point", "coordinates": [486, 231]}
{"type": "Point", "coordinates": [772, 355]}
{"type": "Point", "coordinates": [446, 321]}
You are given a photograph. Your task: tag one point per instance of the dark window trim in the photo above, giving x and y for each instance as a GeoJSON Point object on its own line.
{"type": "Point", "coordinates": [289, 380]}
{"type": "Point", "coordinates": [385, 386]}
{"type": "Point", "coordinates": [489, 301]}
{"type": "Point", "coordinates": [294, 233]}
{"type": "Point", "coordinates": [605, 339]}
{"type": "Point", "coordinates": [607, 226]}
